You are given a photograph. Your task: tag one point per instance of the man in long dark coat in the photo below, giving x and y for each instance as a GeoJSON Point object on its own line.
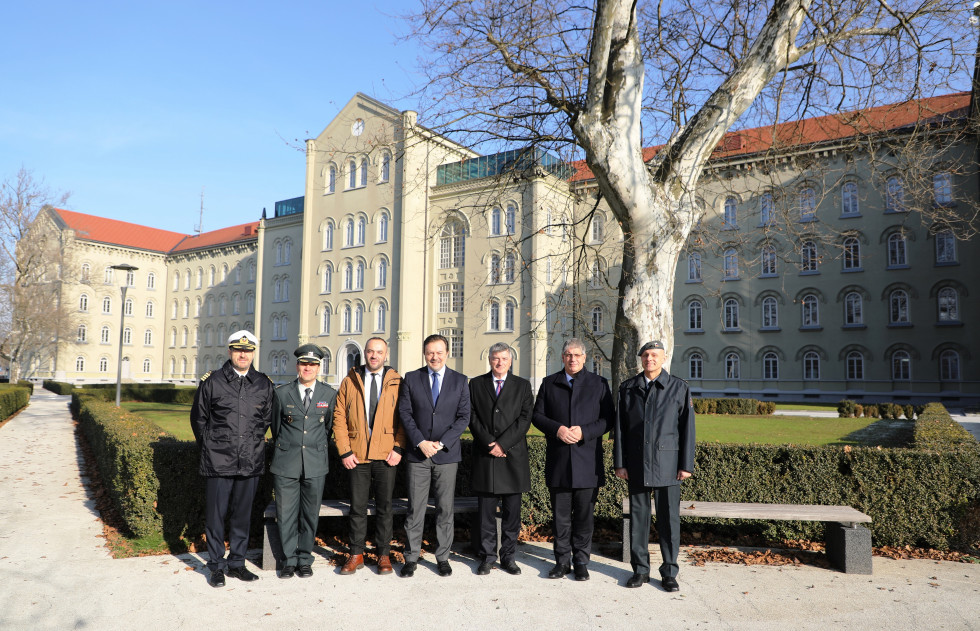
{"type": "Point", "coordinates": [500, 415]}
{"type": "Point", "coordinates": [574, 409]}
{"type": "Point", "coordinates": [654, 451]}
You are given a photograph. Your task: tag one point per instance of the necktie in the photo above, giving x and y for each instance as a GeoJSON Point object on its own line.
{"type": "Point", "coordinates": [500, 384]}
{"type": "Point", "coordinates": [570, 382]}
{"type": "Point", "coordinates": [435, 388]}
{"type": "Point", "coordinates": [373, 401]}
{"type": "Point", "coordinates": [307, 399]}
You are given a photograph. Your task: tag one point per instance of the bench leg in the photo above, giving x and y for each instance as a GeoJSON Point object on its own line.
{"type": "Point", "coordinates": [626, 538]}
{"type": "Point", "coordinates": [849, 548]}
{"type": "Point", "coordinates": [270, 542]}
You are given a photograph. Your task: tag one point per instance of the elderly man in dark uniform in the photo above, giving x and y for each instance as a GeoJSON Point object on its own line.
{"type": "Point", "coordinates": [654, 451]}
{"type": "Point", "coordinates": [232, 411]}
{"type": "Point", "coordinates": [500, 415]}
{"type": "Point", "coordinates": [302, 416]}
{"type": "Point", "coordinates": [574, 409]}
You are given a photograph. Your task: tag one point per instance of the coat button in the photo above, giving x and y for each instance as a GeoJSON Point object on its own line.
{"type": "Point", "coordinates": [304, 431]}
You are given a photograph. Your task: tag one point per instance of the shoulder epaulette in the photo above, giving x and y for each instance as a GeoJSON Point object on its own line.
{"type": "Point", "coordinates": [206, 375]}
{"type": "Point", "coordinates": [270, 379]}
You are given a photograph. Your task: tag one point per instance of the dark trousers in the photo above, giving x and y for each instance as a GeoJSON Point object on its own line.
{"type": "Point", "coordinates": [667, 500]}
{"type": "Point", "coordinates": [298, 511]}
{"type": "Point", "coordinates": [510, 525]}
{"type": "Point", "coordinates": [442, 479]}
{"type": "Point", "coordinates": [228, 498]}
{"type": "Point", "coordinates": [574, 511]}
{"type": "Point", "coordinates": [360, 488]}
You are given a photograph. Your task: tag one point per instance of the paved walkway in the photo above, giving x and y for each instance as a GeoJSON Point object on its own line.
{"type": "Point", "coordinates": [55, 574]}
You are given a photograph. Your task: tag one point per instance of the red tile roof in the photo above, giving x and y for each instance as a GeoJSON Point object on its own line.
{"type": "Point", "coordinates": [102, 230]}
{"type": "Point", "coordinates": [823, 128]}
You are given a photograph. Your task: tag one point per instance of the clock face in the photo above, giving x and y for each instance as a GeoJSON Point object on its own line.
{"type": "Point", "coordinates": [357, 128]}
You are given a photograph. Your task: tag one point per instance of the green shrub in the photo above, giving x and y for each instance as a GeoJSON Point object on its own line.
{"type": "Point", "coordinates": [13, 398]}
{"type": "Point", "coordinates": [24, 383]}
{"type": "Point", "coordinates": [733, 406]}
{"type": "Point", "coordinates": [935, 430]}
{"type": "Point", "coordinates": [846, 408]}
{"type": "Point", "coordinates": [858, 410]}
{"type": "Point", "coordinates": [58, 387]}
{"type": "Point", "coordinates": [909, 411]}
{"type": "Point", "coordinates": [765, 407]}
{"type": "Point", "coordinates": [872, 411]}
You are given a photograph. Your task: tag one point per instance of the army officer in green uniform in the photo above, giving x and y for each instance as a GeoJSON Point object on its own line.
{"type": "Point", "coordinates": [302, 415]}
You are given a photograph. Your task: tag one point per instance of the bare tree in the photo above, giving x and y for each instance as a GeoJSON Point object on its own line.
{"type": "Point", "coordinates": [33, 266]}
{"type": "Point", "coordinates": [603, 80]}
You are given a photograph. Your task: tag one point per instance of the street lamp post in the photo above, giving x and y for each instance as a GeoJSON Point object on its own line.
{"type": "Point", "coordinates": [122, 325]}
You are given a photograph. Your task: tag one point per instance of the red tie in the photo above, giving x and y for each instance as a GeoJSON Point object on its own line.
{"type": "Point", "coordinates": [500, 384]}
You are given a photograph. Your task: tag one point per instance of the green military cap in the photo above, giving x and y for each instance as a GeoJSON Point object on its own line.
{"type": "Point", "coordinates": [308, 354]}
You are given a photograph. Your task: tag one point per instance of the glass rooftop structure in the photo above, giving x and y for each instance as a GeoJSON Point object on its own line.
{"type": "Point", "coordinates": [513, 160]}
{"type": "Point", "coordinates": [292, 206]}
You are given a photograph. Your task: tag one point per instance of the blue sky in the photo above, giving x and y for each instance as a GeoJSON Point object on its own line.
{"type": "Point", "coordinates": [133, 107]}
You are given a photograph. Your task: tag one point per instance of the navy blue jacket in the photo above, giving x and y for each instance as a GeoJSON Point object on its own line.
{"type": "Point", "coordinates": [446, 422]}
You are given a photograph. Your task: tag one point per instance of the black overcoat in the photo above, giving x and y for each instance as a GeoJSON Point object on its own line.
{"type": "Point", "coordinates": [505, 421]}
{"type": "Point", "coordinates": [654, 435]}
{"type": "Point", "coordinates": [590, 406]}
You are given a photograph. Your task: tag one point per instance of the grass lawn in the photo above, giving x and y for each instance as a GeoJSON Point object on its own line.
{"type": "Point", "coordinates": [800, 430]}
{"type": "Point", "coordinates": [173, 418]}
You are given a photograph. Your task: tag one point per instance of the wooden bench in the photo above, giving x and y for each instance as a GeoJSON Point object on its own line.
{"type": "Point", "coordinates": [272, 544]}
{"type": "Point", "coordinates": [848, 543]}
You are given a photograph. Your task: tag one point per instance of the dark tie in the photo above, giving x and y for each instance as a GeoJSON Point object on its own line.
{"type": "Point", "coordinates": [570, 382]}
{"type": "Point", "coordinates": [435, 388]}
{"type": "Point", "coordinates": [307, 399]}
{"type": "Point", "coordinates": [500, 384]}
{"type": "Point", "coordinates": [373, 401]}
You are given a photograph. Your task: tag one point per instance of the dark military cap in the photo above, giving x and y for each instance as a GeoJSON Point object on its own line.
{"type": "Point", "coordinates": [650, 346]}
{"type": "Point", "coordinates": [308, 354]}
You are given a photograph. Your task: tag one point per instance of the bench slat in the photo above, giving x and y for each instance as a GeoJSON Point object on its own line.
{"type": "Point", "coordinates": [739, 510]}
{"type": "Point", "coordinates": [399, 506]}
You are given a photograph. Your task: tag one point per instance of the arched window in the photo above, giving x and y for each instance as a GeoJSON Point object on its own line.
{"type": "Point", "coordinates": [285, 289]}
{"type": "Point", "coordinates": [151, 280]}
{"type": "Point", "coordinates": [732, 366]}
{"type": "Point", "coordinates": [325, 320]}
{"type": "Point", "coordinates": [109, 272]}
{"type": "Point", "coordinates": [127, 336]}
{"type": "Point", "coordinates": [328, 236]}
{"type": "Point", "coordinates": [383, 228]}
{"type": "Point", "coordinates": [381, 318]}
{"type": "Point", "coordinates": [808, 204]}
{"type": "Point", "coordinates": [852, 253]}
{"type": "Point", "coordinates": [325, 364]}
{"type": "Point", "coordinates": [695, 366]}
{"type": "Point", "coordinates": [596, 364]}
{"type": "Point", "coordinates": [103, 364]}
{"type": "Point", "coordinates": [352, 174]}
{"type": "Point", "coordinates": [808, 257]}
{"type": "Point", "coordinates": [349, 276]}
{"type": "Point", "coordinates": [731, 216]}
{"type": "Point", "coordinates": [222, 306]}
{"type": "Point", "coordinates": [768, 261]}
{"type": "Point", "coordinates": [810, 311]}
{"type": "Point", "coordinates": [287, 251]}
{"type": "Point", "coordinates": [347, 318]}
{"type": "Point", "coordinates": [385, 172]}
{"type": "Point", "coordinates": [83, 302]}
{"type": "Point", "coordinates": [197, 307]}
{"type": "Point", "coordinates": [199, 278]}
{"type": "Point", "coordinates": [853, 309]}
{"type": "Point", "coordinates": [146, 366]}
{"type": "Point", "coordinates": [209, 305]}
{"type": "Point", "coordinates": [494, 269]}
{"type": "Point", "coordinates": [901, 366]}
{"type": "Point", "coordinates": [358, 318]}
{"type": "Point", "coordinates": [275, 327]}
{"type": "Point", "coordinates": [149, 308]}
{"type": "Point", "coordinates": [148, 337]}
{"type": "Point", "coordinates": [811, 366]}
{"type": "Point", "coordinates": [82, 333]}
{"type": "Point", "coordinates": [79, 364]}
{"type": "Point", "coordinates": [236, 304]}
{"type": "Point", "coordinates": [495, 222]}
{"type": "Point", "coordinates": [184, 335]}
{"type": "Point", "coordinates": [327, 278]}
{"type": "Point", "coordinates": [494, 317]}
{"type": "Point", "coordinates": [731, 314]}
{"type": "Point", "coordinates": [898, 307]}
{"type": "Point", "coordinates": [361, 230]}
{"type": "Point", "coordinates": [694, 315]}
{"type": "Point", "coordinates": [224, 273]}
{"type": "Point", "coordinates": [731, 263]}
{"type": "Point", "coordinates": [510, 220]}
{"type": "Point", "coordinates": [948, 303]}
{"type": "Point", "coordinates": [949, 365]}
{"type": "Point", "coordinates": [284, 327]}
{"type": "Point", "coordinates": [945, 247]}
{"type": "Point", "coordinates": [598, 227]}
{"type": "Point", "coordinates": [382, 274]}
{"type": "Point", "coordinates": [694, 266]}
{"type": "Point", "coordinates": [183, 366]}
{"type": "Point", "coordinates": [208, 336]}
{"type": "Point", "coordinates": [107, 305]}
{"type": "Point", "coordinates": [510, 264]}
{"type": "Point", "coordinates": [212, 273]}
{"type": "Point", "coordinates": [897, 250]}
{"type": "Point", "coordinates": [452, 245]}
{"type": "Point", "coordinates": [173, 337]}
{"type": "Point", "coordinates": [86, 272]}
{"type": "Point", "coordinates": [364, 165]}
{"type": "Point", "coordinates": [176, 280]}
{"type": "Point", "coordinates": [855, 366]}
{"type": "Point", "coordinates": [173, 366]}
{"type": "Point", "coordinates": [766, 207]}
{"type": "Point", "coordinates": [770, 366]}
{"type": "Point", "coordinates": [596, 276]}
{"type": "Point", "coordinates": [349, 233]}
{"type": "Point", "coordinates": [187, 308]}
{"type": "Point", "coordinates": [187, 279]}
{"type": "Point", "coordinates": [359, 276]}
{"type": "Point", "coordinates": [849, 199]}
{"type": "Point", "coordinates": [597, 319]}
{"type": "Point", "coordinates": [894, 195]}
{"type": "Point", "coordinates": [331, 179]}
{"type": "Point", "coordinates": [770, 313]}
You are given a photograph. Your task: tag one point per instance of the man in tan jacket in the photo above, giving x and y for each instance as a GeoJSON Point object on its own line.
{"type": "Point", "coordinates": [370, 440]}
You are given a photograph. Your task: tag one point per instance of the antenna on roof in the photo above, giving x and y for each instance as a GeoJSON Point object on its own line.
{"type": "Point", "coordinates": [199, 228]}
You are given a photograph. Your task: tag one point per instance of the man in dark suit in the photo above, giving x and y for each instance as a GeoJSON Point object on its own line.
{"type": "Point", "coordinates": [301, 420]}
{"type": "Point", "coordinates": [434, 405]}
{"type": "Point", "coordinates": [501, 415]}
{"type": "Point", "coordinates": [654, 451]}
{"type": "Point", "coordinates": [574, 409]}
{"type": "Point", "coordinates": [231, 413]}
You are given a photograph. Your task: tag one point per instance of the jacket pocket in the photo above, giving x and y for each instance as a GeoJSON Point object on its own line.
{"type": "Point", "coordinates": [667, 444]}
{"type": "Point", "coordinates": [282, 445]}
{"type": "Point", "coordinates": [219, 435]}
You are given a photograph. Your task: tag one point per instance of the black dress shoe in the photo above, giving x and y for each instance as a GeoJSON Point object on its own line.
{"type": "Point", "coordinates": [559, 571]}
{"type": "Point", "coordinates": [510, 567]}
{"type": "Point", "coordinates": [444, 568]}
{"type": "Point", "coordinates": [241, 573]}
{"type": "Point", "coordinates": [637, 580]}
{"type": "Point", "coordinates": [484, 568]}
{"type": "Point", "coordinates": [669, 584]}
{"type": "Point", "coordinates": [217, 579]}
{"type": "Point", "coordinates": [408, 570]}
{"type": "Point", "coordinates": [288, 572]}
{"type": "Point", "coordinates": [581, 573]}
{"type": "Point", "coordinates": [304, 571]}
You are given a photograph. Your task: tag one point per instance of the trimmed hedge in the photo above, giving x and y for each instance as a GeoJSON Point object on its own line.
{"type": "Point", "coordinates": [733, 406]}
{"type": "Point", "coordinates": [13, 398]}
{"type": "Point", "coordinates": [155, 392]}
{"type": "Point", "coordinates": [915, 497]}
{"type": "Point", "coordinates": [24, 383]}
{"type": "Point", "coordinates": [58, 387]}
{"type": "Point", "coordinates": [936, 430]}
{"type": "Point", "coordinates": [850, 409]}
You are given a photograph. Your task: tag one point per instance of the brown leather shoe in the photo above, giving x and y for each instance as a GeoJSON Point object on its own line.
{"type": "Point", "coordinates": [384, 565]}
{"type": "Point", "coordinates": [354, 563]}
